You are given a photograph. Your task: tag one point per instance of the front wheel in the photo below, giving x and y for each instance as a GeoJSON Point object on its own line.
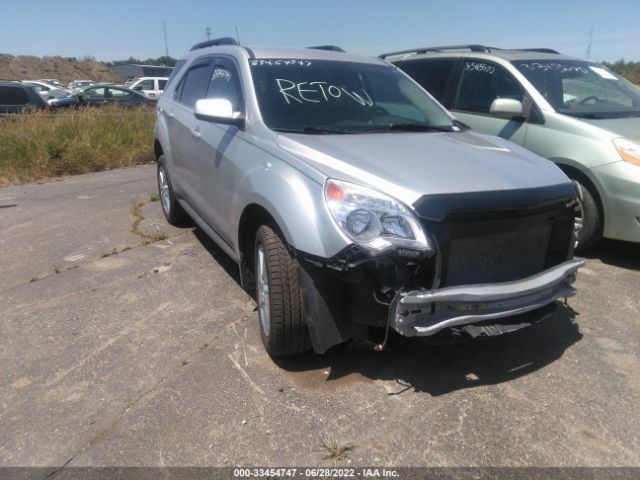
{"type": "Point", "coordinates": [588, 215]}
{"type": "Point", "coordinates": [282, 324]}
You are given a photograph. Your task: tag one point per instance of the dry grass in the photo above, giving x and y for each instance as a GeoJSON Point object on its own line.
{"type": "Point", "coordinates": [334, 450]}
{"type": "Point", "coordinates": [50, 144]}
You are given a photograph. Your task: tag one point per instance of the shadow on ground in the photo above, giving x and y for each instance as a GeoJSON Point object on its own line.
{"type": "Point", "coordinates": [441, 369]}
{"type": "Point", "coordinates": [227, 264]}
{"type": "Point", "coordinates": [616, 253]}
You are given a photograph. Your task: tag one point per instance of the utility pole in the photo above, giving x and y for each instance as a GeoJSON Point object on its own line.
{"type": "Point", "coordinates": [590, 41]}
{"type": "Point", "coordinates": [166, 45]}
{"type": "Point", "coordinates": [208, 32]}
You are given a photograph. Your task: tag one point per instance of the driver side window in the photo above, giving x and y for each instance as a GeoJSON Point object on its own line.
{"type": "Point", "coordinates": [94, 93]}
{"type": "Point", "coordinates": [224, 84]}
{"type": "Point", "coordinates": [481, 83]}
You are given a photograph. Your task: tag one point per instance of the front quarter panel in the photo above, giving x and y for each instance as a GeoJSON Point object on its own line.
{"type": "Point", "coordinates": [296, 204]}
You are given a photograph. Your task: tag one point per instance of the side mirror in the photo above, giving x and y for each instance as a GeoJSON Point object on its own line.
{"type": "Point", "coordinates": [506, 108]}
{"type": "Point", "coordinates": [218, 110]}
{"type": "Point", "coordinates": [138, 87]}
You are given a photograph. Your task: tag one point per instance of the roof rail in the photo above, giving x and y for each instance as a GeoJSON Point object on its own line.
{"type": "Point", "coordinates": [539, 50]}
{"type": "Point", "coordinates": [215, 43]}
{"type": "Point", "coordinates": [332, 48]}
{"type": "Point", "coordinates": [472, 47]}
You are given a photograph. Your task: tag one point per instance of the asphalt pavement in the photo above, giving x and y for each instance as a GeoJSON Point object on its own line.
{"type": "Point", "coordinates": [129, 342]}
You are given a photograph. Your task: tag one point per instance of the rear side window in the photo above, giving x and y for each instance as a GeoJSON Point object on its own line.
{"type": "Point", "coordinates": [433, 75]}
{"type": "Point", "coordinates": [117, 93]}
{"type": "Point", "coordinates": [162, 84]}
{"type": "Point", "coordinates": [195, 85]}
{"type": "Point", "coordinates": [179, 64]}
{"type": "Point", "coordinates": [481, 83]}
{"type": "Point", "coordinates": [10, 95]}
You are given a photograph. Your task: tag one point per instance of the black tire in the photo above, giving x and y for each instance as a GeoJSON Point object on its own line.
{"type": "Point", "coordinates": [173, 211]}
{"type": "Point", "coordinates": [591, 231]}
{"type": "Point", "coordinates": [286, 330]}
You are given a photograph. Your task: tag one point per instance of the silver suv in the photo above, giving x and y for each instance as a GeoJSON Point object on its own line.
{"type": "Point", "coordinates": [350, 199]}
{"type": "Point", "coordinates": [575, 112]}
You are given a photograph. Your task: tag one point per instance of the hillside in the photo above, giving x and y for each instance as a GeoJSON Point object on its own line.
{"type": "Point", "coordinates": [64, 69]}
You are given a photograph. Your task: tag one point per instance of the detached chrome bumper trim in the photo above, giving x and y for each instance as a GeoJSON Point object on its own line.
{"type": "Point", "coordinates": [426, 312]}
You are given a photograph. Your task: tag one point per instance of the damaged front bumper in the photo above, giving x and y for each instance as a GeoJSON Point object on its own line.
{"type": "Point", "coordinates": [426, 312]}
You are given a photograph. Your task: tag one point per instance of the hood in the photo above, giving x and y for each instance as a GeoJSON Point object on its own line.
{"type": "Point", "coordinates": [410, 165]}
{"type": "Point", "coordinates": [625, 127]}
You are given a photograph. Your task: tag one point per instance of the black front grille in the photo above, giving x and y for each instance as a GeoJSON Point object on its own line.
{"type": "Point", "coordinates": [489, 246]}
{"type": "Point", "coordinates": [497, 256]}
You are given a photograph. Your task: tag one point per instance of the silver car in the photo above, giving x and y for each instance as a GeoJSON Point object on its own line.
{"type": "Point", "coordinates": [351, 200]}
{"type": "Point", "coordinates": [575, 112]}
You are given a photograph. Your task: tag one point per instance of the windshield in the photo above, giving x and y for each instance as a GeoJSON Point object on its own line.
{"type": "Point", "coordinates": [320, 96]}
{"type": "Point", "coordinates": [582, 89]}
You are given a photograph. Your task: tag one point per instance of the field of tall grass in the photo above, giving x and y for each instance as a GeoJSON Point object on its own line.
{"type": "Point", "coordinates": [46, 144]}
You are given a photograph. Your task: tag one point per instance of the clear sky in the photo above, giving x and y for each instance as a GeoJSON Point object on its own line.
{"type": "Point", "coordinates": [118, 29]}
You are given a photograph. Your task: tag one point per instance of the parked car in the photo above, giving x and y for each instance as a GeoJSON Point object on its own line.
{"type": "Point", "coordinates": [46, 91]}
{"type": "Point", "coordinates": [97, 95]}
{"type": "Point", "coordinates": [151, 87]}
{"type": "Point", "coordinates": [351, 199]}
{"type": "Point", "coordinates": [16, 97]}
{"type": "Point", "coordinates": [77, 85]}
{"type": "Point", "coordinates": [575, 112]}
{"type": "Point", "coordinates": [53, 82]}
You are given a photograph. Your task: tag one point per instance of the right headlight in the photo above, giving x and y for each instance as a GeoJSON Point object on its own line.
{"type": "Point", "coordinates": [628, 150]}
{"type": "Point", "coordinates": [372, 219]}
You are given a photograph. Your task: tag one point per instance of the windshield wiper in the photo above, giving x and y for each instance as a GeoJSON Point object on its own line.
{"type": "Point", "coordinates": [316, 130]}
{"type": "Point", "coordinates": [602, 115]}
{"type": "Point", "coordinates": [409, 127]}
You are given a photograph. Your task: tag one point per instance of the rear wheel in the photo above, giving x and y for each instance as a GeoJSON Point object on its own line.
{"type": "Point", "coordinates": [173, 212]}
{"type": "Point", "coordinates": [282, 324]}
{"type": "Point", "coordinates": [588, 215]}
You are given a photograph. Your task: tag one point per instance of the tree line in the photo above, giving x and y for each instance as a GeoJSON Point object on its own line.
{"type": "Point", "coordinates": [629, 70]}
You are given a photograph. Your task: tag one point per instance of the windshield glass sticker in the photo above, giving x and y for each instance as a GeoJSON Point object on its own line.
{"type": "Point", "coordinates": [479, 67]}
{"type": "Point", "coordinates": [279, 62]}
{"type": "Point", "coordinates": [316, 92]}
{"type": "Point", "coordinates": [604, 73]}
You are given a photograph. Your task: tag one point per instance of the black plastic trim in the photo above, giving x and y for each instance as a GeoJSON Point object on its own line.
{"type": "Point", "coordinates": [440, 207]}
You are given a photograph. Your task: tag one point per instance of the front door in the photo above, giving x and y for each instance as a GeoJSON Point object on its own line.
{"type": "Point", "coordinates": [217, 149]}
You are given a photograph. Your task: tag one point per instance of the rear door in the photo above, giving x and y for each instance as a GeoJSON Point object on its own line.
{"type": "Point", "coordinates": [479, 83]}
{"type": "Point", "coordinates": [161, 83]}
{"type": "Point", "coordinates": [95, 96]}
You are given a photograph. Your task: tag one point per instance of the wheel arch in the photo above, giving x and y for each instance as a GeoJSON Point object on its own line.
{"type": "Point", "coordinates": [575, 173]}
{"type": "Point", "coordinates": [250, 220]}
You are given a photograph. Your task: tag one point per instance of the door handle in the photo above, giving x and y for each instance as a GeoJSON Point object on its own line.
{"type": "Point", "coordinates": [195, 133]}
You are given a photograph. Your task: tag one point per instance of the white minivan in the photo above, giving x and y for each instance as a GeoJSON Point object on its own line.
{"type": "Point", "coordinates": [151, 87]}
